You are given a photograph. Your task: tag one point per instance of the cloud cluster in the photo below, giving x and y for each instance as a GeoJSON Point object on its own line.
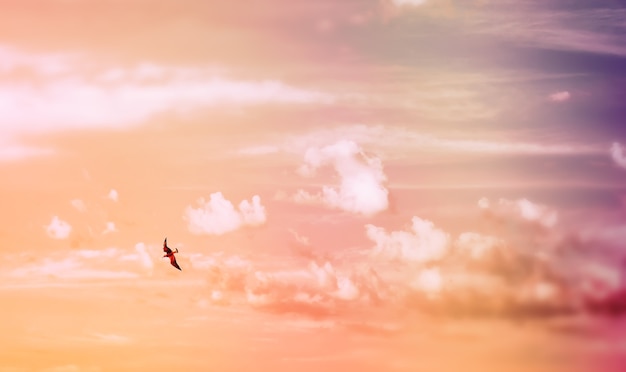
{"type": "Point", "coordinates": [474, 274]}
{"type": "Point", "coordinates": [361, 188]}
{"type": "Point", "coordinates": [218, 216]}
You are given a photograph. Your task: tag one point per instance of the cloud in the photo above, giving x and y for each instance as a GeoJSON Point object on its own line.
{"type": "Point", "coordinates": [476, 246]}
{"type": "Point", "coordinates": [521, 209]}
{"type": "Point", "coordinates": [86, 264]}
{"type": "Point", "coordinates": [424, 243]}
{"type": "Point", "coordinates": [12, 152]}
{"type": "Point", "coordinates": [113, 195]}
{"type": "Point", "coordinates": [76, 92]}
{"type": "Point", "coordinates": [143, 256]}
{"type": "Point", "coordinates": [58, 229]}
{"type": "Point", "coordinates": [409, 2]}
{"type": "Point", "coordinates": [560, 96]}
{"type": "Point", "coordinates": [218, 215]}
{"type": "Point", "coordinates": [429, 281]}
{"type": "Point", "coordinates": [571, 30]}
{"type": "Point", "coordinates": [79, 205]}
{"type": "Point", "coordinates": [72, 267]}
{"type": "Point", "coordinates": [110, 228]}
{"type": "Point", "coordinates": [402, 142]}
{"type": "Point", "coordinates": [617, 154]}
{"type": "Point", "coordinates": [361, 187]}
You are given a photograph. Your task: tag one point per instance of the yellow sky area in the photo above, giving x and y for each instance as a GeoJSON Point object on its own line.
{"type": "Point", "coordinates": [126, 327]}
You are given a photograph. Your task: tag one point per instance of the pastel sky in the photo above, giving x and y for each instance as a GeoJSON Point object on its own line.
{"type": "Point", "coordinates": [354, 185]}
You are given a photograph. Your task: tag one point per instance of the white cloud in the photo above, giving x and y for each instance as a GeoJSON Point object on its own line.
{"type": "Point", "coordinates": [560, 96]}
{"type": "Point", "coordinates": [423, 244]}
{"type": "Point", "coordinates": [58, 229]}
{"type": "Point", "coordinates": [218, 215]}
{"type": "Point", "coordinates": [617, 154]}
{"type": "Point", "coordinates": [79, 205]}
{"type": "Point", "coordinates": [113, 195]}
{"type": "Point", "coordinates": [361, 179]}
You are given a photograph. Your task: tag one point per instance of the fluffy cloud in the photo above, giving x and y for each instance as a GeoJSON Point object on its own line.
{"type": "Point", "coordinates": [560, 96]}
{"type": "Point", "coordinates": [424, 243]}
{"type": "Point", "coordinates": [361, 187]}
{"type": "Point", "coordinates": [58, 229]}
{"type": "Point", "coordinates": [617, 154]}
{"type": "Point", "coordinates": [218, 215]}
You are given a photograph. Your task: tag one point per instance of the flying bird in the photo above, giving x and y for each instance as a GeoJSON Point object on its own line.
{"type": "Point", "coordinates": [169, 253]}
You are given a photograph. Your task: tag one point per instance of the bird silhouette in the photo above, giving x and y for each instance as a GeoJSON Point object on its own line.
{"type": "Point", "coordinates": [169, 253]}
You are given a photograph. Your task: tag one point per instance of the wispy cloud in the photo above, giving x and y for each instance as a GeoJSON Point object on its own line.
{"type": "Point", "coordinates": [560, 96]}
{"type": "Point", "coordinates": [394, 140]}
{"type": "Point", "coordinates": [574, 30]}
{"type": "Point", "coordinates": [69, 92]}
{"type": "Point", "coordinates": [218, 215]}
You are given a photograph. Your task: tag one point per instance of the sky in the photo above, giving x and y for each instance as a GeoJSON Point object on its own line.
{"type": "Point", "coordinates": [372, 185]}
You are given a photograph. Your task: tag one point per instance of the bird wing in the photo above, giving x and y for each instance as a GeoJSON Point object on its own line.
{"type": "Point", "coordinates": [174, 263]}
{"type": "Point", "coordinates": [165, 247]}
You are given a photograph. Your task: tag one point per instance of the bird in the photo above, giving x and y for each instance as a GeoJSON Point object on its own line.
{"type": "Point", "coordinates": [169, 253]}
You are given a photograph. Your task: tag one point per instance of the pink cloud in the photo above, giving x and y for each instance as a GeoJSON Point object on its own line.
{"type": "Point", "coordinates": [218, 216]}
